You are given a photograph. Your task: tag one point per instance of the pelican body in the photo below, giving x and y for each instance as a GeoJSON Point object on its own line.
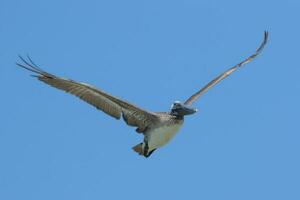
{"type": "Point", "coordinates": [158, 128]}
{"type": "Point", "coordinates": [160, 133]}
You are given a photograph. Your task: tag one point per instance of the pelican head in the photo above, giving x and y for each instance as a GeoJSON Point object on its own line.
{"type": "Point", "coordinates": [180, 109]}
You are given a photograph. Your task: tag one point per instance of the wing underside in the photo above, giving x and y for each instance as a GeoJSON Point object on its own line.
{"type": "Point", "coordinates": [219, 78]}
{"type": "Point", "coordinates": [109, 104]}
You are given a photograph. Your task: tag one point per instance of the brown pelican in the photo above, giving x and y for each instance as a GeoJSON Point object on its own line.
{"type": "Point", "coordinates": [158, 127]}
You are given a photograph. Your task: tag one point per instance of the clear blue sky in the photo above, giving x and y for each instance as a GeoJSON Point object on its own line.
{"type": "Point", "coordinates": [242, 144]}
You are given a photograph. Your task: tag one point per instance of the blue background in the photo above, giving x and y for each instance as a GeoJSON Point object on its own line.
{"type": "Point", "coordinates": [242, 144]}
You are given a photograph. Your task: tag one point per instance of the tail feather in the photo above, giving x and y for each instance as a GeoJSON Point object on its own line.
{"type": "Point", "coordinates": [138, 148]}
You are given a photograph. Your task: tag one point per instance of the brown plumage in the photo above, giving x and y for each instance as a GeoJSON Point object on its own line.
{"type": "Point", "coordinates": [158, 127]}
{"type": "Point", "coordinates": [195, 96]}
{"type": "Point", "coordinates": [109, 104]}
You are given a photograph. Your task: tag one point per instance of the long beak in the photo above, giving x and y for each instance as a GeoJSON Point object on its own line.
{"type": "Point", "coordinates": [186, 110]}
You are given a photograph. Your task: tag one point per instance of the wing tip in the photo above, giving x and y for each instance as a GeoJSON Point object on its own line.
{"type": "Point", "coordinates": [29, 65]}
{"type": "Point", "coordinates": [266, 34]}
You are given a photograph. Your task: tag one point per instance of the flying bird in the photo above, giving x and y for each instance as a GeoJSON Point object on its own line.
{"type": "Point", "coordinates": [158, 128]}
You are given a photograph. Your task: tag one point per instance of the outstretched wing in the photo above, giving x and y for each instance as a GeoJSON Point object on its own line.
{"type": "Point", "coordinates": [195, 96]}
{"type": "Point", "coordinates": [111, 105]}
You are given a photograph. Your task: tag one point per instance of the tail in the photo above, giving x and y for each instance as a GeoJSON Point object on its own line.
{"type": "Point", "coordinates": [139, 149]}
